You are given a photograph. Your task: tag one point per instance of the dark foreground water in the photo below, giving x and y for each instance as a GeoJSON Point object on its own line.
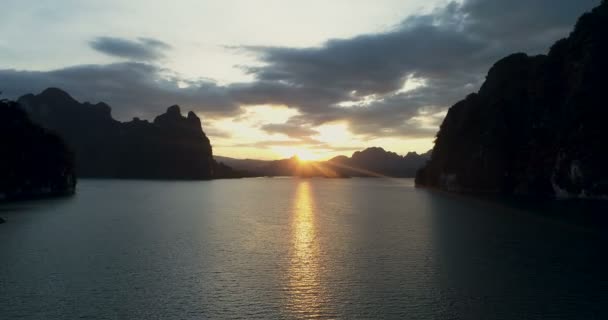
{"type": "Point", "coordinates": [291, 248]}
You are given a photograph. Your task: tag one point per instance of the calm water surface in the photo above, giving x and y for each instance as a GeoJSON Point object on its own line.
{"type": "Point", "coordinates": [298, 248]}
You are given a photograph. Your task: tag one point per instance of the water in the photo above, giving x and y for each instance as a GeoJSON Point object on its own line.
{"type": "Point", "coordinates": [298, 248]}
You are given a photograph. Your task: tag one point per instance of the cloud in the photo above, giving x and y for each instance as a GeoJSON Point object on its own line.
{"type": "Point", "coordinates": [450, 49]}
{"type": "Point", "coordinates": [214, 132]}
{"type": "Point", "coordinates": [289, 129]}
{"type": "Point", "coordinates": [131, 88]}
{"type": "Point", "coordinates": [142, 49]}
{"type": "Point", "coordinates": [370, 64]}
{"type": "Point", "coordinates": [526, 19]}
{"type": "Point", "coordinates": [361, 80]}
{"type": "Point", "coordinates": [313, 144]}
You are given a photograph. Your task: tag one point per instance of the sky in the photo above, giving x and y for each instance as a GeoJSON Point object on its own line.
{"type": "Point", "coordinates": [274, 78]}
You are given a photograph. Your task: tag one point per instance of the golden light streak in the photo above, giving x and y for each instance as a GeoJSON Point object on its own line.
{"type": "Point", "coordinates": [307, 294]}
{"type": "Point", "coordinates": [301, 153]}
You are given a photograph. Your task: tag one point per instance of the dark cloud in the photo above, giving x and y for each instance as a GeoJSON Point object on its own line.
{"type": "Point", "coordinates": [394, 114]}
{"type": "Point", "coordinates": [142, 49]}
{"type": "Point", "coordinates": [449, 49]}
{"type": "Point", "coordinates": [371, 64]}
{"type": "Point", "coordinates": [279, 93]}
{"type": "Point", "coordinates": [522, 19]}
{"type": "Point", "coordinates": [131, 88]}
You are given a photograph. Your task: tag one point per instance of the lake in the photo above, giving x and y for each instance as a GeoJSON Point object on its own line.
{"type": "Point", "coordinates": [287, 248]}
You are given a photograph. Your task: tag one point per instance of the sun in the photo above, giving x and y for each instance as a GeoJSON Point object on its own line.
{"type": "Point", "coordinates": [304, 155]}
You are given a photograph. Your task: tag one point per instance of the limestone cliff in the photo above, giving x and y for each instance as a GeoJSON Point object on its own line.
{"type": "Point", "coordinates": [173, 146]}
{"type": "Point", "coordinates": [536, 127]}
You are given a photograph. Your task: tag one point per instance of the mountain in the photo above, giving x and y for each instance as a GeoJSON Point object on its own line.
{"type": "Point", "coordinates": [173, 146]}
{"type": "Point", "coordinates": [271, 168]}
{"type": "Point", "coordinates": [34, 162]}
{"type": "Point", "coordinates": [293, 167]}
{"type": "Point", "coordinates": [536, 127]}
{"type": "Point", "coordinates": [247, 165]}
{"type": "Point", "coordinates": [378, 162]}
{"type": "Point", "coordinates": [371, 162]}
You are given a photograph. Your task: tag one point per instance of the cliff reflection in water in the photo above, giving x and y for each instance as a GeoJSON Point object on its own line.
{"type": "Point", "coordinates": [307, 295]}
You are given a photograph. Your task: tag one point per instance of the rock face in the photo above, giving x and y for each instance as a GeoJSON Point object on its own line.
{"type": "Point", "coordinates": [170, 147]}
{"type": "Point", "coordinates": [34, 162]}
{"type": "Point", "coordinates": [537, 125]}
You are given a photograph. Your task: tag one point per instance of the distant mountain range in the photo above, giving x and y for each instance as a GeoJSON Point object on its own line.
{"type": "Point", "coordinates": [536, 127]}
{"type": "Point", "coordinates": [371, 162]}
{"type": "Point", "coordinates": [170, 147]}
{"type": "Point", "coordinates": [174, 146]}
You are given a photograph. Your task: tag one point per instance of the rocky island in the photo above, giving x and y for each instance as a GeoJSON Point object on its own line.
{"type": "Point", "coordinates": [536, 127]}
{"type": "Point", "coordinates": [35, 162]}
{"type": "Point", "coordinates": [172, 146]}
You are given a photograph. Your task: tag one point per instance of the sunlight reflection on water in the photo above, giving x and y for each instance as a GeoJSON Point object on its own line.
{"type": "Point", "coordinates": [306, 293]}
{"type": "Point", "coordinates": [286, 248]}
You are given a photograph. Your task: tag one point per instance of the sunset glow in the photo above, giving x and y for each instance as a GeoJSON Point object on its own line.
{"type": "Point", "coordinates": [290, 159]}
{"type": "Point", "coordinates": [301, 153]}
{"type": "Point", "coordinates": [303, 277]}
{"type": "Point", "coordinates": [350, 81]}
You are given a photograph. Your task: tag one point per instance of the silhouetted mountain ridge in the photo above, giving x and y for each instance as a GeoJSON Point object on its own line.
{"type": "Point", "coordinates": [170, 147]}
{"type": "Point", "coordinates": [371, 162]}
{"type": "Point", "coordinates": [536, 126]}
